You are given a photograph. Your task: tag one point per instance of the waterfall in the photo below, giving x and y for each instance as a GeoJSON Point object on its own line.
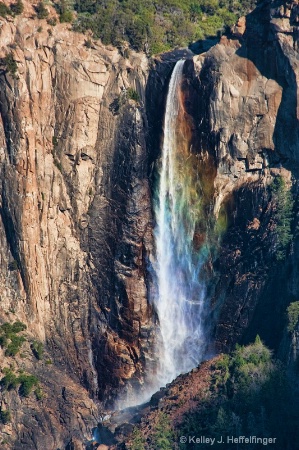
{"type": "Point", "coordinates": [180, 293]}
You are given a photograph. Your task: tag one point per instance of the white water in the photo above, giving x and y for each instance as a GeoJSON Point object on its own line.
{"type": "Point", "coordinates": [179, 301]}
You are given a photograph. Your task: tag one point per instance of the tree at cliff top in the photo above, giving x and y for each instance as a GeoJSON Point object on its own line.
{"type": "Point", "coordinates": [157, 25]}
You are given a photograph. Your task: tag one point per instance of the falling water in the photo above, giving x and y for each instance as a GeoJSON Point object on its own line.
{"type": "Point", "coordinates": [179, 301]}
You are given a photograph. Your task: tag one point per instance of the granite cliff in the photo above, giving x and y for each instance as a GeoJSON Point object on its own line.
{"type": "Point", "coordinates": [80, 133]}
{"type": "Point", "coordinates": [75, 225]}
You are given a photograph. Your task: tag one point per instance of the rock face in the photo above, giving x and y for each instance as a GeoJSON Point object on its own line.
{"type": "Point", "coordinates": [248, 121]}
{"type": "Point", "coordinates": [80, 131]}
{"type": "Point", "coordinates": [75, 225]}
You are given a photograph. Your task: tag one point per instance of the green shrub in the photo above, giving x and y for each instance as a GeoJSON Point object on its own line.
{"type": "Point", "coordinates": [10, 380]}
{"type": "Point", "coordinates": [12, 328]}
{"type": "Point", "coordinates": [4, 10]}
{"type": "Point", "coordinates": [293, 316]}
{"type": "Point", "coordinates": [39, 393]}
{"type": "Point", "coordinates": [284, 215]}
{"type": "Point", "coordinates": [41, 11]}
{"type": "Point", "coordinates": [9, 338]}
{"type": "Point", "coordinates": [54, 141]}
{"type": "Point", "coordinates": [10, 63]}
{"type": "Point", "coordinates": [37, 349]}
{"type": "Point", "coordinates": [132, 94]}
{"type": "Point", "coordinates": [14, 346]}
{"type": "Point", "coordinates": [27, 384]}
{"type": "Point", "coordinates": [18, 326]}
{"type": "Point", "coordinates": [64, 11]}
{"type": "Point", "coordinates": [17, 8]}
{"type": "Point", "coordinates": [66, 17]}
{"type": "Point", "coordinates": [138, 440]}
{"type": "Point", "coordinates": [163, 434]}
{"type": "Point", "coordinates": [5, 416]}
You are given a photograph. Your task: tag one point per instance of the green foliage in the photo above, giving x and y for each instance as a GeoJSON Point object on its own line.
{"type": "Point", "coordinates": [17, 8]}
{"type": "Point", "coordinates": [156, 25]}
{"type": "Point", "coordinates": [132, 94]}
{"type": "Point", "coordinates": [39, 393]}
{"type": "Point", "coordinates": [9, 338]}
{"type": "Point", "coordinates": [10, 63]}
{"type": "Point", "coordinates": [37, 349]}
{"type": "Point", "coordinates": [14, 346]}
{"type": "Point", "coordinates": [64, 11]}
{"type": "Point", "coordinates": [163, 434]}
{"type": "Point", "coordinates": [4, 10]}
{"type": "Point", "coordinates": [138, 440]}
{"type": "Point", "coordinates": [28, 382]}
{"type": "Point", "coordinates": [54, 141]}
{"type": "Point", "coordinates": [41, 11]}
{"type": "Point", "coordinates": [10, 380]}
{"type": "Point", "coordinates": [5, 416]}
{"type": "Point", "coordinates": [293, 316]}
{"type": "Point", "coordinates": [284, 215]}
{"type": "Point", "coordinates": [254, 397]}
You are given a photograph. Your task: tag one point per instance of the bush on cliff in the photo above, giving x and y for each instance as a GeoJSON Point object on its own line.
{"type": "Point", "coordinates": [9, 339]}
{"type": "Point", "coordinates": [17, 8]}
{"type": "Point", "coordinates": [26, 382]}
{"type": "Point", "coordinates": [284, 214]}
{"type": "Point", "coordinates": [293, 316]}
{"type": "Point", "coordinates": [41, 11]}
{"type": "Point", "coordinates": [10, 63]}
{"type": "Point", "coordinates": [250, 395]}
{"type": "Point", "coordinates": [4, 10]}
{"type": "Point", "coordinates": [5, 416]}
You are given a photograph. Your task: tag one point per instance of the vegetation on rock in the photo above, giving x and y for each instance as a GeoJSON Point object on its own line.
{"type": "Point", "coordinates": [9, 62]}
{"type": "Point", "coordinates": [9, 338]}
{"type": "Point", "coordinates": [138, 441]}
{"type": "Point", "coordinates": [64, 10]}
{"type": "Point", "coordinates": [251, 395]}
{"type": "Point", "coordinates": [17, 8]}
{"type": "Point", "coordinates": [5, 416]}
{"type": "Point", "coordinates": [157, 26]}
{"type": "Point", "coordinates": [247, 393]}
{"type": "Point", "coordinates": [4, 10]}
{"type": "Point", "coordinates": [41, 11]}
{"type": "Point", "coordinates": [163, 433]}
{"type": "Point", "coordinates": [293, 316]}
{"type": "Point", "coordinates": [284, 215]}
{"type": "Point", "coordinates": [12, 381]}
{"type": "Point", "coordinates": [37, 349]}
